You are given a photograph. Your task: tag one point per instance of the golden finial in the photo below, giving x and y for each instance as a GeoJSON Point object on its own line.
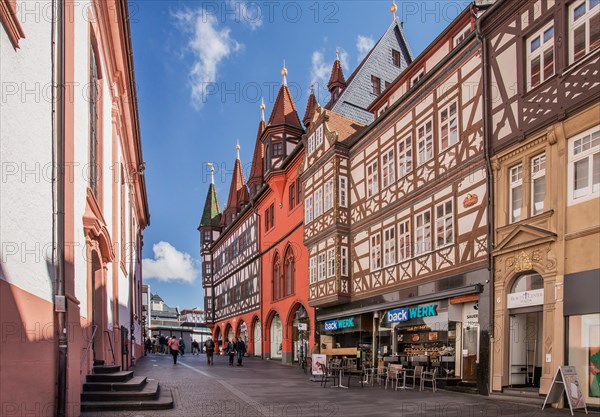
{"type": "Point", "coordinates": [212, 172]}
{"type": "Point", "coordinates": [262, 109]}
{"type": "Point", "coordinates": [393, 9]}
{"type": "Point", "coordinates": [237, 148]}
{"type": "Point", "coordinates": [337, 54]}
{"type": "Point", "coordinates": [284, 72]}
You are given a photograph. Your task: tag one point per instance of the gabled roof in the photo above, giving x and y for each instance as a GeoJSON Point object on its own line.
{"type": "Point", "coordinates": [311, 106]}
{"type": "Point", "coordinates": [353, 101]}
{"type": "Point", "coordinates": [238, 193]}
{"type": "Point", "coordinates": [256, 172]}
{"type": "Point", "coordinates": [337, 76]}
{"type": "Point", "coordinates": [345, 127]}
{"type": "Point", "coordinates": [211, 216]}
{"type": "Point", "coordinates": [284, 110]}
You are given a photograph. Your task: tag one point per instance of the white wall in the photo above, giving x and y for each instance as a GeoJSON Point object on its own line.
{"type": "Point", "coordinates": [26, 155]}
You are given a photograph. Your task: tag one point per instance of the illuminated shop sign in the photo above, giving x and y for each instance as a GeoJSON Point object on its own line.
{"type": "Point", "coordinates": [408, 313]}
{"type": "Point", "coordinates": [339, 324]}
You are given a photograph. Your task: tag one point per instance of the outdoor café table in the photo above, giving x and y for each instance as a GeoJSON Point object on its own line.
{"type": "Point", "coordinates": [403, 371]}
{"type": "Point", "coordinates": [341, 370]}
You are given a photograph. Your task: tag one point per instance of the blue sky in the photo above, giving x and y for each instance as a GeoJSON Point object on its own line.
{"type": "Point", "coordinates": [201, 68]}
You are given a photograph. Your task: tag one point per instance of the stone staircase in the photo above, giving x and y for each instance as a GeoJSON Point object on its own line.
{"type": "Point", "coordinates": [526, 396]}
{"type": "Point", "coordinates": [108, 388]}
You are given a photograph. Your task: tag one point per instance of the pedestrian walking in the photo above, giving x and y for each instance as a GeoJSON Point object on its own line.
{"type": "Point", "coordinates": [181, 346]}
{"type": "Point", "coordinates": [195, 347]}
{"type": "Point", "coordinates": [162, 341]}
{"type": "Point", "coordinates": [174, 346]}
{"type": "Point", "coordinates": [147, 346]}
{"type": "Point", "coordinates": [240, 348]}
{"type": "Point", "coordinates": [209, 346]}
{"type": "Point", "coordinates": [230, 351]}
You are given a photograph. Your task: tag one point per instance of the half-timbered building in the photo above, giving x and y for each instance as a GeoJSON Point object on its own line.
{"type": "Point", "coordinates": [542, 61]}
{"type": "Point", "coordinates": [231, 275]}
{"type": "Point", "coordinates": [396, 219]}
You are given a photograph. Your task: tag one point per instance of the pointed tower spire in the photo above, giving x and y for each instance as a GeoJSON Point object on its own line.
{"type": "Point", "coordinates": [337, 82]}
{"type": "Point", "coordinates": [238, 193]}
{"type": "Point", "coordinates": [256, 179]}
{"type": "Point", "coordinates": [284, 110]}
{"type": "Point", "coordinates": [211, 216]}
{"type": "Point", "coordinates": [311, 106]}
{"type": "Point", "coordinates": [393, 9]}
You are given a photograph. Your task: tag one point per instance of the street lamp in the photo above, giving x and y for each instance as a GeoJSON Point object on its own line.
{"type": "Point", "coordinates": [301, 315]}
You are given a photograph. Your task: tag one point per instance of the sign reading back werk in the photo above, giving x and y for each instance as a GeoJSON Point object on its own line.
{"type": "Point", "coordinates": [566, 381]}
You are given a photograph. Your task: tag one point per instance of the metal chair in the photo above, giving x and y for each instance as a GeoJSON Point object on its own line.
{"type": "Point", "coordinates": [393, 374]}
{"type": "Point", "coordinates": [428, 376]}
{"type": "Point", "coordinates": [327, 373]}
{"type": "Point", "coordinates": [415, 374]}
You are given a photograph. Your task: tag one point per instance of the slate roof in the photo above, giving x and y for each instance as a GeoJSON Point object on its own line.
{"type": "Point", "coordinates": [211, 216]}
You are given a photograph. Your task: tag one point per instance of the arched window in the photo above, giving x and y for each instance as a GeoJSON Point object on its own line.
{"type": "Point", "coordinates": [276, 278]}
{"type": "Point", "coordinates": [290, 270]}
{"type": "Point", "coordinates": [528, 282]}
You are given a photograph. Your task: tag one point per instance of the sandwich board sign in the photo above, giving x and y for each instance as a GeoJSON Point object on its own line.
{"type": "Point", "coordinates": [566, 380]}
{"type": "Point", "coordinates": [317, 359]}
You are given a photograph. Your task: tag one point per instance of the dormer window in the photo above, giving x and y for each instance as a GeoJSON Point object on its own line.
{"type": "Point", "coordinates": [417, 77]}
{"type": "Point", "coordinates": [396, 58]}
{"type": "Point", "coordinates": [376, 85]}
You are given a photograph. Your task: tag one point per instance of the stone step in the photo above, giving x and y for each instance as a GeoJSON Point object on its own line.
{"type": "Point", "coordinates": [163, 402]}
{"type": "Point", "coordinates": [106, 369]}
{"type": "Point", "coordinates": [518, 399]}
{"type": "Point", "coordinates": [134, 384]}
{"type": "Point", "coordinates": [149, 391]}
{"type": "Point", "coordinates": [120, 376]}
{"type": "Point", "coordinates": [98, 362]}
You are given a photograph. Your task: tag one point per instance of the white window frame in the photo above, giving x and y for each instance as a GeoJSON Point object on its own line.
{"type": "Point", "coordinates": [389, 246]}
{"type": "Point", "coordinates": [319, 136]}
{"type": "Point", "coordinates": [312, 271]}
{"type": "Point", "coordinates": [308, 209]}
{"type": "Point", "coordinates": [444, 221]}
{"type": "Point", "coordinates": [321, 266]}
{"type": "Point", "coordinates": [344, 261]}
{"type": "Point", "coordinates": [415, 79]}
{"type": "Point", "coordinates": [328, 204]}
{"type": "Point", "coordinates": [425, 139]}
{"type": "Point", "coordinates": [375, 251]}
{"type": "Point", "coordinates": [388, 167]}
{"type": "Point", "coordinates": [583, 20]}
{"type": "Point", "coordinates": [311, 143]}
{"type": "Point", "coordinates": [405, 161]}
{"type": "Point", "coordinates": [372, 178]}
{"type": "Point", "coordinates": [538, 172]}
{"type": "Point", "coordinates": [404, 241]}
{"type": "Point", "coordinates": [318, 201]}
{"type": "Point", "coordinates": [584, 141]}
{"type": "Point", "coordinates": [448, 123]}
{"type": "Point", "coordinates": [515, 178]}
{"type": "Point", "coordinates": [343, 192]}
{"type": "Point", "coordinates": [461, 36]}
{"type": "Point", "coordinates": [545, 45]}
{"type": "Point", "coordinates": [330, 263]}
{"type": "Point", "coordinates": [423, 232]}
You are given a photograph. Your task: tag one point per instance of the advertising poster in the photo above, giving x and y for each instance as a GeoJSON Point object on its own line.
{"type": "Point", "coordinates": [318, 358]}
{"type": "Point", "coordinates": [572, 387]}
{"type": "Point", "coordinates": [594, 361]}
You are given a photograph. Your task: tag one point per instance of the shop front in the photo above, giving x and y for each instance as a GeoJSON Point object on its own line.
{"type": "Point", "coordinates": [436, 326]}
{"type": "Point", "coordinates": [582, 316]}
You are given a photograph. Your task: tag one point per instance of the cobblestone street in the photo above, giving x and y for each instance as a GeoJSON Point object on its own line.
{"type": "Point", "coordinates": [264, 388]}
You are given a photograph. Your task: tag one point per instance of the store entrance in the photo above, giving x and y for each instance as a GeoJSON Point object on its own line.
{"type": "Point", "coordinates": [525, 354]}
{"type": "Point", "coordinates": [470, 338]}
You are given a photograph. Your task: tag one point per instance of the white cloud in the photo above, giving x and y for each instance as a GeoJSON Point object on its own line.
{"type": "Point", "coordinates": [320, 70]}
{"type": "Point", "coordinates": [169, 264]}
{"type": "Point", "coordinates": [209, 45]}
{"type": "Point", "coordinates": [364, 44]}
{"type": "Point", "coordinates": [344, 60]}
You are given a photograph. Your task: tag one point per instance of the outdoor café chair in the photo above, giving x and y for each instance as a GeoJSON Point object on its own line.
{"type": "Point", "coordinates": [415, 374]}
{"type": "Point", "coordinates": [428, 376]}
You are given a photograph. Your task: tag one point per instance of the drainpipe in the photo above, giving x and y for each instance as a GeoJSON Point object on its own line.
{"type": "Point", "coordinates": [60, 306]}
{"type": "Point", "coordinates": [260, 289]}
{"type": "Point", "coordinates": [487, 137]}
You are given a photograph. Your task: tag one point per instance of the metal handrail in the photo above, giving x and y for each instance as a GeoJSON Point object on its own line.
{"type": "Point", "coordinates": [111, 347]}
{"type": "Point", "coordinates": [89, 345]}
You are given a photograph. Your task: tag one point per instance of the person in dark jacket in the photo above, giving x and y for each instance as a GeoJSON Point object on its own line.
{"type": "Point", "coordinates": [181, 346]}
{"type": "Point", "coordinates": [209, 346]}
{"type": "Point", "coordinates": [230, 349]}
{"type": "Point", "coordinates": [240, 348]}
